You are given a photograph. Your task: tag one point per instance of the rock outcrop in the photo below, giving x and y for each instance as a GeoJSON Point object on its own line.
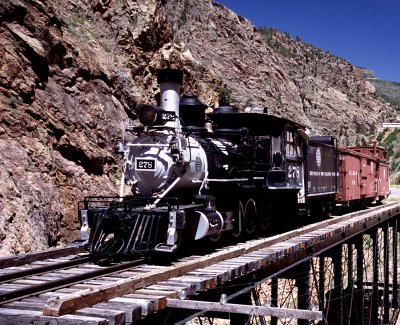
{"type": "Point", "coordinates": [270, 69]}
{"type": "Point", "coordinates": [72, 73]}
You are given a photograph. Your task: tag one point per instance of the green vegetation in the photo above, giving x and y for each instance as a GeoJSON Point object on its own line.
{"type": "Point", "coordinates": [269, 35]}
{"type": "Point", "coordinates": [289, 49]}
{"type": "Point", "coordinates": [388, 90]}
{"type": "Point", "coordinates": [31, 168]}
{"type": "Point", "coordinates": [267, 32]}
{"type": "Point", "coordinates": [73, 21]}
{"type": "Point", "coordinates": [381, 134]}
{"type": "Point", "coordinates": [20, 46]}
{"type": "Point", "coordinates": [106, 46]}
{"type": "Point", "coordinates": [13, 101]}
{"type": "Point", "coordinates": [226, 93]}
{"type": "Point", "coordinates": [390, 139]}
{"type": "Point", "coordinates": [75, 25]}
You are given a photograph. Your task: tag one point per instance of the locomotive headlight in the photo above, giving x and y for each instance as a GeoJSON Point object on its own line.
{"type": "Point", "coordinates": [147, 114]}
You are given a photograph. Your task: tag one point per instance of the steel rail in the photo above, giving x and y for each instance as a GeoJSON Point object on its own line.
{"type": "Point", "coordinates": [65, 282]}
{"type": "Point", "coordinates": [18, 274]}
{"type": "Point", "coordinates": [26, 258]}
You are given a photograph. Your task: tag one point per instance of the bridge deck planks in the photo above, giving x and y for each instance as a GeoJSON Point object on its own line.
{"type": "Point", "coordinates": [132, 312]}
{"type": "Point", "coordinates": [153, 292]}
{"type": "Point", "coordinates": [255, 257]}
{"type": "Point", "coordinates": [115, 317]}
{"type": "Point", "coordinates": [146, 305]}
{"type": "Point", "coordinates": [18, 316]}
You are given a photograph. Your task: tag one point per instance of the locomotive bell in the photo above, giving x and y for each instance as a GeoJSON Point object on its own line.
{"type": "Point", "coordinates": [192, 111]}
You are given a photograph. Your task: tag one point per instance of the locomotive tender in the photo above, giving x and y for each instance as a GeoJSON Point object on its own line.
{"type": "Point", "coordinates": [191, 181]}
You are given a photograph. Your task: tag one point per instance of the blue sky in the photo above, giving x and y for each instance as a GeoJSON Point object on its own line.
{"type": "Point", "coordinates": [365, 32]}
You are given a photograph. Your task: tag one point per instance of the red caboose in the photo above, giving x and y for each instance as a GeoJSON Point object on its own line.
{"type": "Point", "coordinates": [363, 174]}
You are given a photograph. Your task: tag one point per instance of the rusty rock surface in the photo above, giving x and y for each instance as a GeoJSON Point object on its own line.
{"type": "Point", "coordinates": [72, 73]}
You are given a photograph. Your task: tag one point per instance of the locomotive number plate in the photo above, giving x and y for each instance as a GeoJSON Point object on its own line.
{"type": "Point", "coordinates": [145, 164]}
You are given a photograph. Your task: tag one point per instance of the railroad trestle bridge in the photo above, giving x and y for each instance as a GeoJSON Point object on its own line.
{"type": "Point", "coordinates": [343, 270]}
{"type": "Point", "coordinates": [344, 273]}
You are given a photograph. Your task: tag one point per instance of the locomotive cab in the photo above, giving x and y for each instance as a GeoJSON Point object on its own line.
{"type": "Point", "coordinates": [269, 145]}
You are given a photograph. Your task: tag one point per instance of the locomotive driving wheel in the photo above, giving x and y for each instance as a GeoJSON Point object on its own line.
{"type": "Point", "coordinates": [250, 217]}
{"type": "Point", "coordinates": [265, 214]}
{"type": "Point", "coordinates": [216, 238]}
{"type": "Point", "coordinates": [246, 219]}
{"type": "Point", "coordinates": [238, 223]}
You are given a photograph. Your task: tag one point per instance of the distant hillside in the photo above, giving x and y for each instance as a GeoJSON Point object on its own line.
{"type": "Point", "coordinates": [322, 65]}
{"type": "Point", "coordinates": [389, 138]}
{"type": "Point", "coordinates": [388, 90]}
{"type": "Point", "coordinates": [262, 66]}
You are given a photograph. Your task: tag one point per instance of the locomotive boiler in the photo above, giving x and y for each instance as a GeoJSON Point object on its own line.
{"type": "Point", "coordinates": [191, 182]}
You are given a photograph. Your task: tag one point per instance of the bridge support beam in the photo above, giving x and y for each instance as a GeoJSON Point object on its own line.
{"type": "Point", "coordinates": [303, 289]}
{"type": "Point", "coordinates": [321, 283]}
{"type": "Point", "coordinates": [274, 298]}
{"type": "Point", "coordinates": [386, 303]}
{"type": "Point", "coordinates": [375, 278]}
{"type": "Point", "coordinates": [395, 282]}
{"type": "Point", "coordinates": [334, 303]}
{"type": "Point", "coordinates": [359, 296]}
{"type": "Point", "coordinates": [348, 293]}
{"type": "Point", "coordinates": [241, 319]}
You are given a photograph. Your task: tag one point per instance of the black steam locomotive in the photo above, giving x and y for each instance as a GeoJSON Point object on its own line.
{"type": "Point", "coordinates": [192, 180]}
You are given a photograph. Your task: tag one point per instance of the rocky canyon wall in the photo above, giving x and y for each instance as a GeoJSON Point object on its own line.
{"type": "Point", "coordinates": [72, 73]}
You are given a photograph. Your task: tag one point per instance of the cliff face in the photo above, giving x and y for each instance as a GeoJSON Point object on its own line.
{"type": "Point", "coordinates": [72, 72]}
{"type": "Point", "coordinates": [271, 69]}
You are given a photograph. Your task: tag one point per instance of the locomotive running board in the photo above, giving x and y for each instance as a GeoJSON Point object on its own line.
{"type": "Point", "coordinates": [166, 248]}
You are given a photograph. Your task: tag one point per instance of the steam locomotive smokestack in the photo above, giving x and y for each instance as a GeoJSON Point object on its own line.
{"type": "Point", "coordinates": [170, 81]}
